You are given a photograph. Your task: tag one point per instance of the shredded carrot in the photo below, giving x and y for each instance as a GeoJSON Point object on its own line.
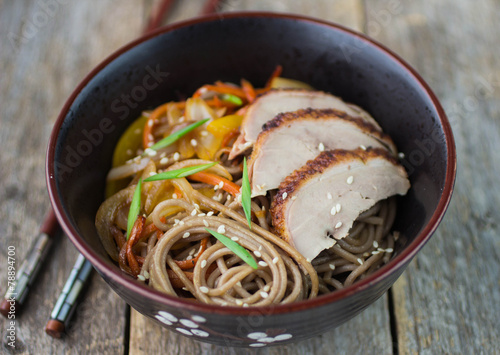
{"type": "Point", "coordinates": [118, 236]}
{"type": "Point", "coordinates": [176, 281]}
{"type": "Point", "coordinates": [249, 90]}
{"type": "Point", "coordinates": [229, 136]}
{"type": "Point", "coordinates": [134, 237]}
{"type": "Point", "coordinates": [275, 74]}
{"type": "Point", "coordinates": [150, 228]}
{"type": "Point", "coordinates": [178, 192]}
{"type": "Point", "coordinates": [189, 264]}
{"type": "Point", "coordinates": [213, 179]}
{"type": "Point", "coordinates": [147, 135]}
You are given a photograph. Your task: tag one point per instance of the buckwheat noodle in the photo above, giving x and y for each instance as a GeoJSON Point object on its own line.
{"type": "Point", "coordinates": [170, 250]}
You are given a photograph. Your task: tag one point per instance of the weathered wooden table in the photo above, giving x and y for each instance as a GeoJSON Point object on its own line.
{"type": "Point", "coordinates": [448, 301]}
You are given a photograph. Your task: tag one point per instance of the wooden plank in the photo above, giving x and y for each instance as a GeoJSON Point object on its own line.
{"type": "Point", "coordinates": [47, 48]}
{"type": "Point", "coordinates": [367, 333]}
{"type": "Point", "coordinates": [449, 299]}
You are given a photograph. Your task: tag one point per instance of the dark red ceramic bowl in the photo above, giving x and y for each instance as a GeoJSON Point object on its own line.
{"type": "Point", "coordinates": [178, 59]}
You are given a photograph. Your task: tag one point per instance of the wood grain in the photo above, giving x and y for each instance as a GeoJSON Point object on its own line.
{"type": "Point", "coordinates": [45, 52]}
{"type": "Point", "coordinates": [448, 302]}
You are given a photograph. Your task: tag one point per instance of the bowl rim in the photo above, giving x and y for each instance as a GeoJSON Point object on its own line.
{"type": "Point", "coordinates": [145, 291]}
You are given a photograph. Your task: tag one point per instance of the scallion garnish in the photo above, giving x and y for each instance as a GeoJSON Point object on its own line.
{"type": "Point", "coordinates": [235, 248]}
{"type": "Point", "coordinates": [165, 142]}
{"type": "Point", "coordinates": [179, 173]}
{"type": "Point", "coordinates": [135, 208]}
{"type": "Point", "coordinates": [232, 99]}
{"type": "Point", "coordinates": [246, 193]}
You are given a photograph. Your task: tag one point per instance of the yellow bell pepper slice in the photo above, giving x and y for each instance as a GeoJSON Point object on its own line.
{"type": "Point", "coordinates": [222, 126]}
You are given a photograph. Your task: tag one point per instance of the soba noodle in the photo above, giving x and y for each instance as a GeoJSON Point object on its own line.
{"type": "Point", "coordinates": [170, 249]}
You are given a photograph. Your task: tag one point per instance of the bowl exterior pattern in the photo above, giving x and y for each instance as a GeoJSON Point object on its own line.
{"type": "Point", "coordinates": [173, 62]}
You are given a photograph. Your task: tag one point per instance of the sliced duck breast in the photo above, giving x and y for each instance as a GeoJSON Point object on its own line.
{"type": "Point", "coordinates": [273, 102]}
{"type": "Point", "coordinates": [318, 203]}
{"type": "Point", "coordinates": [290, 139]}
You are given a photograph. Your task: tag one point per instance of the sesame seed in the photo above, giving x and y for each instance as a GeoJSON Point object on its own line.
{"type": "Point", "coordinates": [221, 229]}
{"type": "Point", "coordinates": [235, 239]}
{"type": "Point", "coordinates": [329, 196]}
{"type": "Point", "coordinates": [350, 180]}
{"type": "Point", "coordinates": [189, 257]}
{"type": "Point", "coordinates": [260, 247]}
{"type": "Point", "coordinates": [184, 288]}
{"type": "Point", "coordinates": [362, 147]}
{"type": "Point", "coordinates": [193, 142]}
{"type": "Point", "coordinates": [284, 195]}
{"type": "Point", "coordinates": [150, 152]}
{"type": "Point", "coordinates": [221, 184]}
{"type": "Point", "coordinates": [205, 223]}
{"type": "Point", "coordinates": [264, 294]}
{"type": "Point", "coordinates": [164, 161]}
{"type": "Point", "coordinates": [150, 123]}
{"type": "Point", "coordinates": [262, 263]}
{"type": "Point", "coordinates": [186, 235]}
{"type": "Point", "coordinates": [217, 198]}
{"type": "Point", "coordinates": [401, 155]}
{"type": "Point", "coordinates": [210, 213]}
{"type": "Point", "coordinates": [366, 254]}
{"type": "Point", "coordinates": [308, 260]}
{"type": "Point", "coordinates": [152, 173]}
{"type": "Point", "coordinates": [333, 211]}
{"type": "Point", "coordinates": [181, 223]}
{"type": "Point", "coordinates": [375, 252]}
{"type": "Point", "coordinates": [266, 288]}
{"type": "Point", "coordinates": [338, 207]}
{"type": "Point", "coordinates": [174, 196]}
{"type": "Point", "coordinates": [163, 155]}
{"type": "Point", "coordinates": [193, 212]}
{"type": "Point", "coordinates": [338, 225]}
{"type": "Point", "coordinates": [257, 253]}
{"type": "Point", "coordinates": [239, 283]}
{"type": "Point", "coordinates": [176, 221]}
{"type": "Point", "coordinates": [375, 244]}
{"type": "Point", "coordinates": [239, 302]}
{"type": "Point", "coordinates": [321, 147]}
{"type": "Point", "coordinates": [201, 214]}
{"type": "Point", "coordinates": [245, 305]}
{"type": "Point", "coordinates": [389, 250]}
{"type": "Point", "coordinates": [204, 289]}
{"type": "Point", "coordinates": [216, 187]}
{"type": "Point", "coordinates": [141, 278]}
{"type": "Point", "coordinates": [360, 262]}
{"type": "Point", "coordinates": [204, 133]}
{"type": "Point", "coordinates": [275, 260]}
{"type": "Point", "coordinates": [176, 156]}
{"type": "Point", "coordinates": [294, 198]}
{"type": "Point", "coordinates": [146, 274]}
{"type": "Point", "coordinates": [203, 263]}
{"type": "Point", "coordinates": [332, 266]}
